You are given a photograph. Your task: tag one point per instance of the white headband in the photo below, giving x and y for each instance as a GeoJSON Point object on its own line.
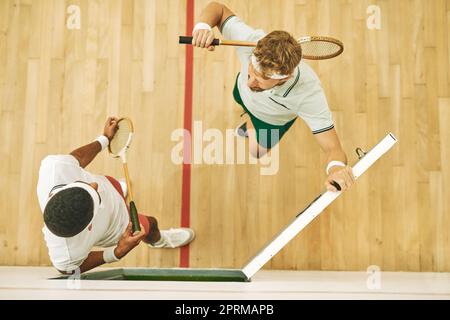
{"type": "Point", "coordinates": [89, 189]}
{"type": "Point", "coordinates": [257, 67]}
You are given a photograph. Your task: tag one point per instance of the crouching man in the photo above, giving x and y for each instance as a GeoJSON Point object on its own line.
{"type": "Point", "coordinates": [83, 210]}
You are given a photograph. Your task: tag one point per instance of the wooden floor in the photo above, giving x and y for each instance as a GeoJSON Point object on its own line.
{"type": "Point", "coordinates": [57, 86]}
{"type": "Point", "coordinates": [32, 283]}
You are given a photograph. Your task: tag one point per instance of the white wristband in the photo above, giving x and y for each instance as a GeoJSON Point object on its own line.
{"type": "Point", "coordinates": [109, 256]}
{"type": "Point", "coordinates": [201, 26]}
{"type": "Point", "coordinates": [335, 163]}
{"type": "Point", "coordinates": [104, 141]}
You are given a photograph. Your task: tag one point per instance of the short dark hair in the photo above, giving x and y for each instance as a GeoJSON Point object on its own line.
{"type": "Point", "coordinates": [68, 212]}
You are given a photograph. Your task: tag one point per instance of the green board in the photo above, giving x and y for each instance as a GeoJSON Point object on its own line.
{"type": "Point", "coordinates": [172, 274]}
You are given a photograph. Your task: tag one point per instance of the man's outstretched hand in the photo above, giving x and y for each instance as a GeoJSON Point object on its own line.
{"type": "Point", "coordinates": [342, 176]}
{"type": "Point", "coordinates": [203, 38]}
{"type": "Point", "coordinates": [110, 127]}
{"type": "Point", "coordinates": [128, 242]}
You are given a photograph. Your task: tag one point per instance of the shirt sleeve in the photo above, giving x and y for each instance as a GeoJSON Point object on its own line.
{"type": "Point", "coordinates": [315, 112]}
{"type": "Point", "coordinates": [55, 170]}
{"type": "Point", "coordinates": [59, 253]}
{"type": "Point", "coordinates": [233, 28]}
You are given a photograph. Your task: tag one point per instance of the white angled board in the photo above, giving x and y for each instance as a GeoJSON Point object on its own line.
{"type": "Point", "coordinates": [314, 209]}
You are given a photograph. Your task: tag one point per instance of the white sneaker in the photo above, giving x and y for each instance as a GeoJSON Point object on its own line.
{"type": "Point", "coordinates": [174, 238]}
{"type": "Point", "coordinates": [123, 184]}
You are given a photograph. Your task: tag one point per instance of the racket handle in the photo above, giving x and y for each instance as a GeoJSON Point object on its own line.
{"type": "Point", "coordinates": [188, 40]}
{"type": "Point", "coordinates": [134, 218]}
{"type": "Point", "coordinates": [336, 185]}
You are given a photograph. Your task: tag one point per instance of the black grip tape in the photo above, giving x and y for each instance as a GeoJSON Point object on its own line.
{"type": "Point", "coordinates": [336, 185]}
{"type": "Point", "coordinates": [134, 218]}
{"type": "Point", "coordinates": [188, 40]}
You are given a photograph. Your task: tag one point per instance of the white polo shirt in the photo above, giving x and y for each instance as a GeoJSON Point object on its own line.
{"type": "Point", "coordinates": [108, 225]}
{"type": "Point", "coordinates": [302, 95]}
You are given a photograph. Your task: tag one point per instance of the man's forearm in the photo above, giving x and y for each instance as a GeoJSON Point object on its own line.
{"type": "Point", "coordinates": [94, 259]}
{"type": "Point", "coordinates": [87, 153]}
{"type": "Point", "coordinates": [336, 155]}
{"type": "Point", "coordinates": [212, 14]}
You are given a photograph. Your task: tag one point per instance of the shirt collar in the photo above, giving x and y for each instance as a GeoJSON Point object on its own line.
{"type": "Point", "coordinates": [284, 89]}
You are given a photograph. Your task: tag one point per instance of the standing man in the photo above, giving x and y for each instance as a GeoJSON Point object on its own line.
{"type": "Point", "coordinates": [84, 210]}
{"type": "Point", "coordinates": [274, 87]}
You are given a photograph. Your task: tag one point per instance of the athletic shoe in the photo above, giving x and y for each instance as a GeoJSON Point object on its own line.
{"type": "Point", "coordinates": [174, 238]}
{"type": "Point", "coordinates": [241, 131]}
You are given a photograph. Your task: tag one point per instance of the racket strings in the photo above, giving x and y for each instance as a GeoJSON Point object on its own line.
{"type": "Point", "coordinates": [320, 48]}
{"type": "Point", "coordinates": [121, 137]}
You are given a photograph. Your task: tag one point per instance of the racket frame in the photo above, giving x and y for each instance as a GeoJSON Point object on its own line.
{"type": "Point", "coordinates": [123, 151]}
{"type": "Point", "coordinates": [307, 39]}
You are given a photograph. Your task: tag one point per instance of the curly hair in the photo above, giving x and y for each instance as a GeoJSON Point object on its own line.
{"type": "Point", "coordinates": [278, 52]}
{"type": "Point", "coordinates": [68, 212]}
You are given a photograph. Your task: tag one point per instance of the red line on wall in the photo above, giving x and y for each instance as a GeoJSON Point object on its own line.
{"type": "Point", "coordinates": [186, 178]}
